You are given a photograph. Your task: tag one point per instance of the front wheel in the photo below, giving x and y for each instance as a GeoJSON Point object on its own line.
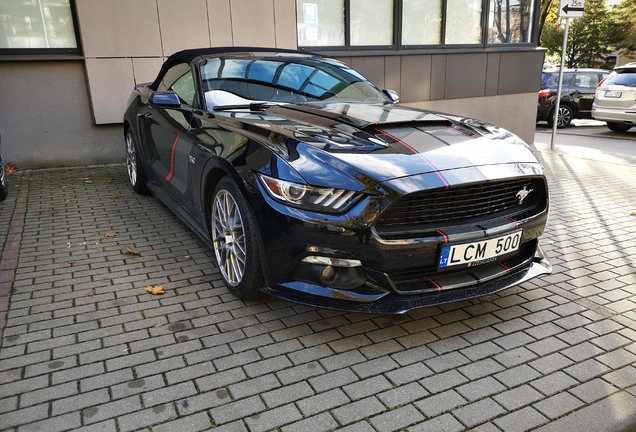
{"type": "Point", "coordinates": [136, 173]}
{"type": "Point", "coordinates": [618, 127]}
{"type": "Point", "coordinates": [235, 239]}
{"type": "Point", "coordinates": [564, 118]}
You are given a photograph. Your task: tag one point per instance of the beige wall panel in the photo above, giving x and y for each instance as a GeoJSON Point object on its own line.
{"type": "Point", "coordinates": [65, 134]}
{"type": "Point", "coordinates": [184, 24]}
{"type": "Point", "coordinates": [438, 77]}
{"type": "Point", "coordinates": [517, 113]}
{"type": "Point", "coordinates": [392, 68]}
{"type": "Point", "coordinates": [370, 67]}
{"type": "Point", "coordinates": [285, 24]}
{"type": "Point", "coordinates": [416, 78]}
{"type": "Point", "coordinates": [119, 28]}
{"type": "Point", "coordinates": [253, 23]}
{"type": "Point", "coordinates": [465, 75]}
{"type": "Point", "coordinates": [146, 69]}
{"type": "Point", "coordinates": [220, 23]}
{"type": "Point", "coordinates": [492, 74]}
{"type": "Point", "coordinates": [520, 72]}
{"type": "Point", "coordinates": [110, 82]}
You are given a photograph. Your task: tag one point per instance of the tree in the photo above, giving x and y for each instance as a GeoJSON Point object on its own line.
{"type": "Point", "coordinates": [627, 13]}
{"type": "Point", "coordinates": [591, 38]}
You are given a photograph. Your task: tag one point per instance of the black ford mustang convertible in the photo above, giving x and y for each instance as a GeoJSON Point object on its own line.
{"type": "Point", "coordinates": [312, 185]}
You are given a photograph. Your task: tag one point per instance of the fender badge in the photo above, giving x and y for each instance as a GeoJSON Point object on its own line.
{"type": "Point", "coordinates": [523, 193]}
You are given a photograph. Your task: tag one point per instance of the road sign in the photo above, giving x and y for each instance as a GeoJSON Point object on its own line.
{"type": "Point", "coordinates": [571, 8]}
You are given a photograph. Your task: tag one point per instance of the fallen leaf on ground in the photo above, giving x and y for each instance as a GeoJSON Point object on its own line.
{"type": "Point", "coordinates": [115, 196]}
{"type": "Point", "coordinates": [110, 180]}
{"type": "Point", "coordinates": [11, 168]}
{"type": "Point", "coordinates": [68, 245]}
{"type": "Point", "coordinates": [71, 262]}
{"type": "Point", "coordinates": [188, 257]}
{"type": "Point", "coordinates": [132, 251]}
{"type": "Point", "coordinates": [156, 325]}
{"type": "Point", "coordinates": [90, 294]}
{"type": "Point", "coordinates": [633, 213]}
{"type": "Point", "coordinates": [155, 290]}
{"type": "Point", "coordinates": [111, 234]}
{"type": "Point", "coordinates": [86, 180]}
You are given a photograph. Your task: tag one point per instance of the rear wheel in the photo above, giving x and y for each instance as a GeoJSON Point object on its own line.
{"type": "Point", "coordinates": [619, 127]}
{"type": "Point", "coordinates": [4, 188]}
{"type": "Point", "coordinates": [564, 118]}
{"type": "Point", "coordinates": [136, 173]}
{"type": "Point", "coordinates": [235, 238]}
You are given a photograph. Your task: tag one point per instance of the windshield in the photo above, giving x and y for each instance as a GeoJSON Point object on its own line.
{"type": "Point", "coordinates": [285, 79]}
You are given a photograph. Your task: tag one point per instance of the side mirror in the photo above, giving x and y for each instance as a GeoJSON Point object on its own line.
{"type": "Point", "coordinates": [392, 94]}
{"type": "Point", "coordinates": [165, 100]}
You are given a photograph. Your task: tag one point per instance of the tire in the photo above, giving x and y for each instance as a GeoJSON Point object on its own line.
{"type": "Point", "coordinates": [235, 238]}
{"type": "Point", "coordinates": [565, 117]}
{"type": "Point", "coordinates": [136, 173]}
{"type": "Point", "coordinates": [618, 127]}
{"type": "Point", "coordinates": [4, 188]}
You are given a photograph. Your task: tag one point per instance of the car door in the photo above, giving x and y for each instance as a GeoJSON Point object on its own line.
{"type": "Point", "coordinates": [581, 90]}
{"type": "Point", "coordinates": [168, 129]}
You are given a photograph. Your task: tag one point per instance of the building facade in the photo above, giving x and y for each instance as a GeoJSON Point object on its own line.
{"type": "Point", "coordinates": [67, 67]}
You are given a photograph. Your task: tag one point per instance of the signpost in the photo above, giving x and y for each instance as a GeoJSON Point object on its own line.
{"type": "Point", "coordinates": [567, 9]}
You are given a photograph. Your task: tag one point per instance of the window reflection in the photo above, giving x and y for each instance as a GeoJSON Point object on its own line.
{"type": "Point", "coordinates": [37, 24]}
{"type": "Point", "coordinates": [509, 21]}
{"type": "Point", "coordinates": [421, 22]}
{"type": "Point", "coordinates": [371, 22]}
{"type": "Point", "coordinates": [463, 22]}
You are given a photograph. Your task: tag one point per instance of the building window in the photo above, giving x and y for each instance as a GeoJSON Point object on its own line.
{"type": "Point", "coordinates": [510, 21]}
{"type": "Point", "coordinates": [408, 24]}
{"type": "Point", "coordinates": [421, 22]}
{"type": "Point", "coordinates": [371, 22]}
{"type": "Point", "coordinates": [38, 26]}
{"type": "Point", "coordinates": [463, 22]}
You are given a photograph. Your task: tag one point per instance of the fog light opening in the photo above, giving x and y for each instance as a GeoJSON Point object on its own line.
{"type": "Point", "coordinates": [329, 274]}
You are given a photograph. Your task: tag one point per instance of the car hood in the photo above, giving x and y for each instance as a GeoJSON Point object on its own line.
{"type": "Point", "coordinates": [381, 143]}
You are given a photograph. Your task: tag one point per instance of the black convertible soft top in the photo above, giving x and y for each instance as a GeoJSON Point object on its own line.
{"type": "Point", "coordinates": [186, 56]}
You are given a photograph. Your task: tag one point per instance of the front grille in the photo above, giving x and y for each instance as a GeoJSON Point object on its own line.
{"type": "Point", "coordinates": [428, 279]}
{"type": "Point", "coordinates": [461, 205]}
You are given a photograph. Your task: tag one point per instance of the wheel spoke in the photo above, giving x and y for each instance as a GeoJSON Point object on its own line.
{"type": "Point", "coordinates": [228, 238]}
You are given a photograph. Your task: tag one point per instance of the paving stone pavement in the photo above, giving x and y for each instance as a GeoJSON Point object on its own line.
{"type": "Point", "coordinates": [85, 347]}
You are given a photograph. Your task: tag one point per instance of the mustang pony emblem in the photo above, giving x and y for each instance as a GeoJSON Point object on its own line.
{"type": "Point", "coordinates": [523, 193]}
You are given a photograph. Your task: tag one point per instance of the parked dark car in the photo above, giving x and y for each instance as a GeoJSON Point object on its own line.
{"type": "Point", "coordinates": [615, 99]}
{"type": "Point", "coordinates": [4, 189]}
{"type": "Point", "coordinates": [310, 184]}
{"type": "Point", "coordinates": [577, 94]}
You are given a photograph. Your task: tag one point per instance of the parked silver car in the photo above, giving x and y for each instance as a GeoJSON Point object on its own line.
{"type": "Point", "coordinates": [615, 99]}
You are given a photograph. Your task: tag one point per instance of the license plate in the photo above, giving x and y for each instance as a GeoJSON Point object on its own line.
{"type": "Point", "coordinates": [479, 252]}
{"type": "Point", "coordinates": [613, 94]}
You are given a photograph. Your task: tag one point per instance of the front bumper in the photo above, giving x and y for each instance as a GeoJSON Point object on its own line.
{"type": "Point", "coordinates": [377, 302]}
{"type": "Point", "coordinates": [393, 276]}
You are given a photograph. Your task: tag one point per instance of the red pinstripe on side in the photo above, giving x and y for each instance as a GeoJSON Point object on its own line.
{"type": "Point", "coordinates": [174, 149]}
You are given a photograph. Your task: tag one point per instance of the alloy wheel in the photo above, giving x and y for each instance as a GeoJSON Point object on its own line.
{"type": "Point", "coordinates": [229, 237]}
{"type": "Point", "coordinates": [131, 159]}
{"type": "Point", "coordinates": [565, 117]}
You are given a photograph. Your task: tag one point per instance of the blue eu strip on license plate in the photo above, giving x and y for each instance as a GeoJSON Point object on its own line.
{"type": "Point", "coordinates": [480, 252]}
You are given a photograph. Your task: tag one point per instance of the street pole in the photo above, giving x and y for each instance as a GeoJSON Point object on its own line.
{"type": "Point", "coordinates": [558, 99]}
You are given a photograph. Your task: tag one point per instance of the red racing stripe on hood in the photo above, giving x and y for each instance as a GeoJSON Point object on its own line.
{"type": "Point", "coordinates": [415, 152]}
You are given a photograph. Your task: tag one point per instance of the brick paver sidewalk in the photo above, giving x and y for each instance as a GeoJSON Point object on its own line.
{"type": "Point", "coordinates": [85, 347]}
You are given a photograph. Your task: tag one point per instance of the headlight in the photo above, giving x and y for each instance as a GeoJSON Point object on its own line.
{"type": "Point", "coordinates": [309, 197]}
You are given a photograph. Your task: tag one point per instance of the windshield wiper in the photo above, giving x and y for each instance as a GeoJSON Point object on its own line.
{"type": "Point", "coordinates": [255, 106]}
